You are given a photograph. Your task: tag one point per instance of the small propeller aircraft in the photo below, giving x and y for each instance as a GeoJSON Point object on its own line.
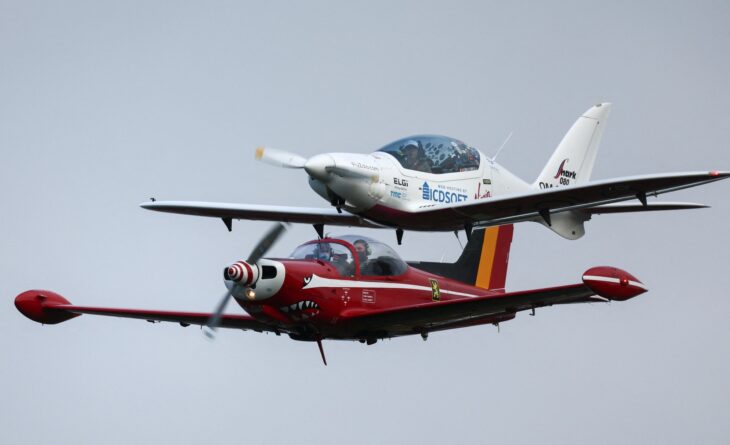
{"type": "Point", "coordinates": [437, 183]}
{"type": "Point", "coordinates": [356, 288]}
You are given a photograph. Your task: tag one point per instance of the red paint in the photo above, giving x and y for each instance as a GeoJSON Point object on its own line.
{"type": "Point", "coordinates": [362, 307]}
{"type": "Point", "coordinates": [621, 290]}
{"type": "Point", "coordinates": [37, 305]}
{"type": "Point", "coordinates": [498, 278]}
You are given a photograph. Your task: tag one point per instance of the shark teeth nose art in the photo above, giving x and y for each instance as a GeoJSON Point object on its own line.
{"type": "Point", "coordinates": [301, 310]}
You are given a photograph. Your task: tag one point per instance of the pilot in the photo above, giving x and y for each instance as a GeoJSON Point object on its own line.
{"type": "Point", "coordinates": [362, 249]}
{"type": "Point", "coordinates": [414, 158]}
{"type": "Point", "coordinates": [324, 251]}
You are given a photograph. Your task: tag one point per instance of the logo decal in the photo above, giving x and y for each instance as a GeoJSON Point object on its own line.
{"type": "Point", "coordinates": [562, 175]}
{"type": "Point", "coordinates": [479, 194]}
{"type": "Point", "coordinates": [440, 194]}
{"type": "Point", "coordinates": [435, 291]}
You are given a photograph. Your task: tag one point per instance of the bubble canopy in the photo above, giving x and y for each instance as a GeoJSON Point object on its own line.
{"type": "Point", "coordinates": [373, 257]}
{"type": "Point", "coordinates": [433, 154]}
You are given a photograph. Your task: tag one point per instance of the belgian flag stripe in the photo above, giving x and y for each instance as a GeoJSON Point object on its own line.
{"type": "Point", "coordinates": [494, 257]}
{"type": "Point", "coordinates": [486, 258]}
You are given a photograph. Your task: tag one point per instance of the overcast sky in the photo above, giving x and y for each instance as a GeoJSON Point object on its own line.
{"type": "Point", "coordinates": [105, 104]}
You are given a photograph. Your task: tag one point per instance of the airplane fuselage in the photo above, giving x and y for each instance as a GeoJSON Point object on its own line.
{"type": "Point", "coordinates": [379, 188]}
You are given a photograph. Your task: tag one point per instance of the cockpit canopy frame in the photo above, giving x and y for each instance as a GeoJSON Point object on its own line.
{"type": "Point", "coordinates": [376, 259]}
{"type": "Point", "coordinates": [433, 154]}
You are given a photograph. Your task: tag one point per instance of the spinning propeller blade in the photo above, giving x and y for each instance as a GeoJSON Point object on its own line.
{"type": "Point", "coordinates": [280, 158]}
{"type": "Point", "coordinates": [258, 252]}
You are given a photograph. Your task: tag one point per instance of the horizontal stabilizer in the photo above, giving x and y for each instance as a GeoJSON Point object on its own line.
{"type": "Point", "coordinates": [638, 207]}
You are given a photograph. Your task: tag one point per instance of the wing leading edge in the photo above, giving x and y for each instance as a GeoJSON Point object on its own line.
{"type": "Point", "coordinates": [303, 215]}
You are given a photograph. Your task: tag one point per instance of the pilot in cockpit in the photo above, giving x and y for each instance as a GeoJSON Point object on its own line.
{"type": "Point", "coordinates": [362, 249]}
{"type": "Point", "coordinates": [414, 158]}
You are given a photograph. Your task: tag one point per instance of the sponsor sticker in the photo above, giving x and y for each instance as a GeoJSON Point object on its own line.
{"type": "Point", "coordinates": [443, 194]}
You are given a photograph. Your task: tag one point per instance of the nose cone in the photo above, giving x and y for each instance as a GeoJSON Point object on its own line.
{"type": "Point", "coordinates": [318, 166]}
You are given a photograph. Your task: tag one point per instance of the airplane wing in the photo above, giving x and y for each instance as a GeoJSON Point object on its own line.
{"type": "Point", "coordinates": [185, 318]}
{"type": "Point", "coordinates": [460, 313]}
{"type": "Point", "coordinates": [304, 215]}
{"type": "Point", "coordinates": [541, 203]}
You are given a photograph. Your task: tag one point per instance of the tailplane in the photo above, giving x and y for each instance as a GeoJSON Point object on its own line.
{"type": "Point", "coordinates": [483, 263]}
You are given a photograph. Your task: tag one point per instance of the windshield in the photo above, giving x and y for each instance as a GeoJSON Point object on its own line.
{"type": "Point", "coordinates": [336, 254]}
{"type": "Point", "coordinates": [433, 154]}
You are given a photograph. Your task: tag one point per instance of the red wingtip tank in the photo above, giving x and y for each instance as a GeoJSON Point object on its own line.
{"type": "Point", "coordinates": [613, 283]}
{"type": "Point", "coordinates": [37, 305]}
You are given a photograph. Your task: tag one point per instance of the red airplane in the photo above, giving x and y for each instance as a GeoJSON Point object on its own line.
{"type": "Point", "coordinates": [355, 288]}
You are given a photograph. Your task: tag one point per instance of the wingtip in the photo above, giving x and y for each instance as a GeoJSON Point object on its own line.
{"type": "Point", "coordinates": [719, 174]}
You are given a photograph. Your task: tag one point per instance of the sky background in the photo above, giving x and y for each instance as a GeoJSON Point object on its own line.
{"type": "Point", "coordinates": [105, 104]}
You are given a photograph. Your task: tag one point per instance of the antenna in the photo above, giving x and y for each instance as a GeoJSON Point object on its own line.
{"type": "Point", "coordinates": [499, 150]}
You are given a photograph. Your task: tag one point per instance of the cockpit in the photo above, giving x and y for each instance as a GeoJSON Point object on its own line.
{"type": "Point", "coordinates": [350, 254]}
{"type": "Point", "coordinates": [433, 154]}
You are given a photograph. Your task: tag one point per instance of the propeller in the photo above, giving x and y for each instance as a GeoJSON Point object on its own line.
{"type": "Point", "coordinates": [280, 158]}
{"type": "Point", "coordinates": [318, 166]}
{"type": "Point", "coordinates": [257, 253]}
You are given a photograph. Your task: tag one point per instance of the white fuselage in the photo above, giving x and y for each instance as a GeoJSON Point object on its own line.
{"type": "Point", "coordinates": [378, 179]}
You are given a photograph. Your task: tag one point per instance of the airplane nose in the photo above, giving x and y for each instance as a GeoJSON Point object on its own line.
{"type": "Point", "coordinates": [317, 166]}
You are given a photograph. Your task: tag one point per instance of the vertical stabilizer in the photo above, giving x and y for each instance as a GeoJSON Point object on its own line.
{"type": "Point", "coordinates": [573, 160]}
{"type": "Point", "coordinates": [483, 263]}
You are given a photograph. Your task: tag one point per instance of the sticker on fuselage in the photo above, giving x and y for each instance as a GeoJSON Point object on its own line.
{"type": "Point", "coordinates": [435, 291]}
{"type": "Point", "coordinates": [368, 296]}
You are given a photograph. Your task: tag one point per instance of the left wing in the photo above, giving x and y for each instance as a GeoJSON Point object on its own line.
{"type": "Point", "coordinates": [226, 211]}
{"type": "Point", "coordinates": [459, 313]}
{"type": "Point", "coordinates": [600, 284]}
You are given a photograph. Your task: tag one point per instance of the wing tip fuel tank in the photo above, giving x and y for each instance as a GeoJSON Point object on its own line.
{"type": "Point", "coordinates": [36, 305]}
{"type": "Point", "coordinates": [613, 283]}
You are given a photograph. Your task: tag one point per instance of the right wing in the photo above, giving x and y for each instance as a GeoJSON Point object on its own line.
{"type": "Point", "coordinates": [304, 215]}
{"type": "Point", "coordinates": [535, 204]}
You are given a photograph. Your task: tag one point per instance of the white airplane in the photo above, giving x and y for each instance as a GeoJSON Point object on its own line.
{"type": "Point", "coordinates": [436, 183]}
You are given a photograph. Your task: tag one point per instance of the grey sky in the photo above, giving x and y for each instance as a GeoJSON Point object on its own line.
{"type": "Point", "coordinates": [104, 104]}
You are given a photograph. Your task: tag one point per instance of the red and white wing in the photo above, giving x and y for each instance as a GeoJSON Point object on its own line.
{"type": "Point", "coordinates": [600, 284]}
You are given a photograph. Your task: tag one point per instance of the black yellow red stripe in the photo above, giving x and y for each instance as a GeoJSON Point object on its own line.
{"type": "Point", "coordinates": [492, 271]}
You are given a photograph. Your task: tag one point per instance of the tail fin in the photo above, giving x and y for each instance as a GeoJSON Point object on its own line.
{"type": "Point", "coordinates": [483, 263]}
{"type": "Point", "coordinates": [573, 160]}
